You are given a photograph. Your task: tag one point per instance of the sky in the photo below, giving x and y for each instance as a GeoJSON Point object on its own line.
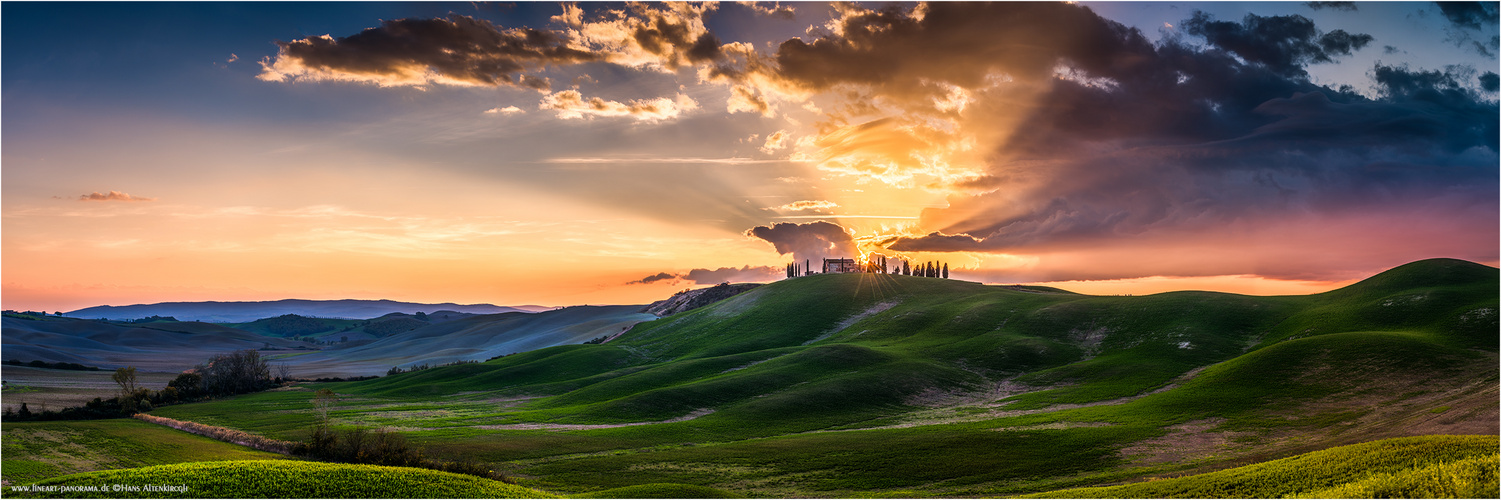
{"type": "Point", "coordinates": [604, 153]}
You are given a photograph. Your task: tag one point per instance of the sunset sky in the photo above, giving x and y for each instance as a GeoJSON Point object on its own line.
{"type": "Point", "coordinates": [555, 154]}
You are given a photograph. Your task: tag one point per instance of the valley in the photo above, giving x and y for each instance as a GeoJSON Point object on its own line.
{"type": "Point", "coordinates": [873, 385]}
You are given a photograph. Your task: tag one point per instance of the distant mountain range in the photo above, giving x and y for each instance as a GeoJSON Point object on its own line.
{"type": "Point", "coordinates": [239, 312]}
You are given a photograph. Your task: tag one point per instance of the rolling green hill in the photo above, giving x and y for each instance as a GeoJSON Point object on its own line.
{"type": "Point", "coordinates": [40, 450]}
{"type": "Point", "coordinates": [867, 385]}
{"type": "Point", "coordinates": [272, 479]}
{"type": "Point", "coordinates": [1416, 467]}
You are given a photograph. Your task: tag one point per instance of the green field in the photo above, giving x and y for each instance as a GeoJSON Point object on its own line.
{"type": "Point", "coordinates": [271, 479]}
{"type": "Point", "coordinates": [39, 450]}
{"type": "Point", "coordinates": [1416, 467]}
{"type": "Point", "coordinates": [876, 385]}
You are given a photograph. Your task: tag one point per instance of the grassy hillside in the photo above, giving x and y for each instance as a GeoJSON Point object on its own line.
{"type": "Point", "coordinates": [807, 386]}
{"type": "Point", "coordinates": [273, 479]}
{"type": "Point", "coordinates": [1416, 467]}
{"type": "Point", "coordinates": [34, 451]}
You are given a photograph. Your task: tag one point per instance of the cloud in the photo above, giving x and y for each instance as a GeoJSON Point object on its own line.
{"type": "Point", "coordinates": [508, 110]}
{"type": "Point", "coordinates": [774, 9]}
{"type": "Point", "coordinates": [464, 51]}
{"type": "Point", "coordinates": [702, 276]}
{"type": "Point", "coordinates": [1467, 19]}
{"type": "Point", "coordinates": [774, 142]}
{"type": "Point", "coordinates": [645, 35]}
{"type": "Point", "coordinates": [814, 240]}
{"type": "Point", "coordinates": [798, 206]}
{"type": "Point", "coordinates": [1345, 6]}
{"type": "Point", "coordinates": [1283, 43]}
{"type": "Point", "coordinates": [458, 50]}
{"type": "Point", "coordinates": [1078, 134]}
{"type": "Point", "coordinates": [570, 104]}
{"type": "Point", "coordinates": [732, 275]}
{"type": "Point", "coordinates": [112, 196]}
{"type": "Point", "coordinates": [746, 99]}
{"type": "Point", "coordinates": [1469, 15]}
{"type": "Point", "coordinates": [654, 278]}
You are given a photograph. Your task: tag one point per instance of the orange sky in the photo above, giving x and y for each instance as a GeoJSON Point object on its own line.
{"type": "Point", "coordinates": [620, 156]}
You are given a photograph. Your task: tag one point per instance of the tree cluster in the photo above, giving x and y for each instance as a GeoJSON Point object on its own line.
{"type": "Point", "coordinates": [292, 325]}
{"type": "Point", "coordinates": [151, 319]}
{"type": "Point", "coordinates": [55, 366]}
{"type": "Point", "coordinates": [223, 375]}
{"type": "Point", "coordinates": [238, 372]}
{"type": "Point", "coordinates": [927, 270]}
{"type": "Point", "coordinates": [397, 370]}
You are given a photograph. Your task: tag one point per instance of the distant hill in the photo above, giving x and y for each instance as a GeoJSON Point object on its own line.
{"type": "Point", "coordinates": [472, 338]}
{"type": "Point", "coordinates": [155, 346]}
{"type": "Point", "coordinates": [343, 347]}
{"type": "Point", "coordinates": [242, 312]}
{"type": "Point", "coordinates": [295, 326]}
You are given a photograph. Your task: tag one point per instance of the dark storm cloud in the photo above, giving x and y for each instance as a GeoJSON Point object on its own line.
{"type": "Point", "coordinates": [1345, 6]}
{"type": "Point", "coordinates": [459, 49]}
{"type": "Point", "coordinates": [935, 242]}
{"type": "Point", "coordinates": [1469, 15]}
{"type": "Point", "coordinates": [1490, 82]}
{"type": "Point", "coordinates": [961, 43]}
{"type": "Point", "coordinates": [1283, 43]}
{"type": "Point", "coordinates": [1188, 139]}
{"type": "Point", "coordinates": [814, 240]}
{"type": "Point", "coordinates": [1468, 18]}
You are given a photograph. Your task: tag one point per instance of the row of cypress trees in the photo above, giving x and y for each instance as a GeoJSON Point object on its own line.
{"type": "Point", "coordinates": [928, 269]}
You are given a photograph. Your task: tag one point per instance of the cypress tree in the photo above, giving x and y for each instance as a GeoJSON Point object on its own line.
{"type": "Point", "coordinates": [945, 270]}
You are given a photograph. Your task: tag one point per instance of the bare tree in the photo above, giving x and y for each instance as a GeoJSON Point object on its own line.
{"type": "Point", "coordinates": [324, 399]}
{"type": "Point", "coordinates": [283, 371]}
{"type": "Point", "coordinates": [126, 377]}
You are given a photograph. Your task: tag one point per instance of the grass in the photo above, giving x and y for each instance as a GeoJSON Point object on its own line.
{"type": "Point", "coordinates": [272, 479]}
{"type": "Point", "coordinates": [659, 490]}
{"type": "Point", "coordinates": [38, 450]}
{"type": "Point", "coordinates": [1415, 467]}
{"type": "Point", "coordinates": [797, 373]}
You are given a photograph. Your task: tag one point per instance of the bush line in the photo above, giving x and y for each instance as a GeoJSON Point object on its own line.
{"type": "Point", "coordinates": [222, 434]}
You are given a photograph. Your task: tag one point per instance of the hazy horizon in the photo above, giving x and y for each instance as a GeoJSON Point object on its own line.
{"type": "Point", "coordinates": [562, 154]}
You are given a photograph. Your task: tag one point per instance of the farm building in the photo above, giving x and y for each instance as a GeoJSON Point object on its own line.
{"type": "Point", "coordinates": [840, 266]}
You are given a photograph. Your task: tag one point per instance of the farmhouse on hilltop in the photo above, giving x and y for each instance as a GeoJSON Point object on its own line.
{"type": "Point", "coordinates": [840, 266]}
